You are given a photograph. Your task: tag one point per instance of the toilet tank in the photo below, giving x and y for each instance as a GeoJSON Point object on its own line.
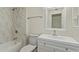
{"type": "Point", "coordinates": [33, 39]}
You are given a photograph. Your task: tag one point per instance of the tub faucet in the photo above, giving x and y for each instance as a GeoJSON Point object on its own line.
{"type": "Point", "coordinates": [54, 33]}
{"type": "Point", "coordinates": [15, 40]}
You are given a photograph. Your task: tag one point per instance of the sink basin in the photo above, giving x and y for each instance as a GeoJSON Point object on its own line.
{"type": "Point", "coordinates": [58, 38]}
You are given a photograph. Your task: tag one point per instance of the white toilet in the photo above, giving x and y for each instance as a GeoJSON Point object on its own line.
{"type": "Point", "coordinates": [32, 46]}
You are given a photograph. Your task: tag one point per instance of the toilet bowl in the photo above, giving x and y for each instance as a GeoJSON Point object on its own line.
{"type": "Point", "coordinates": [28, 48]}
{"type": "Point", "coordinates": [32, 46]}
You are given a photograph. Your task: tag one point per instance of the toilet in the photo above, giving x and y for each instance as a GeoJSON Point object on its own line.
{"type": "Point", "coordinates": [32, 46]}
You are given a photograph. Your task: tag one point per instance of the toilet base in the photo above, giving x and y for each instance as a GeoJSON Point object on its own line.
{"type": "Point", "coordinates": [35, 50]}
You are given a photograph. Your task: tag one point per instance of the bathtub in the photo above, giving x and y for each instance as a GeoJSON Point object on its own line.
{"type": "Point", "coordinates": [11, 46]}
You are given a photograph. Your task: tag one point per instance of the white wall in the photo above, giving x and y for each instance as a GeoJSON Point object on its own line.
{"type": "Point", "coordinates": [5, 24]}
{"type": "Point", "coordinates": [36, 25]}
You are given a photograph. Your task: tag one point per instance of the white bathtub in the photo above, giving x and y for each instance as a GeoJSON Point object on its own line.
{"type": "Point", "coordinates": [11, 46]}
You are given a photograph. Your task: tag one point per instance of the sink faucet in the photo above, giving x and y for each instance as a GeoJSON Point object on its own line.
{"type": "Point", "coordinates": [54, 32]}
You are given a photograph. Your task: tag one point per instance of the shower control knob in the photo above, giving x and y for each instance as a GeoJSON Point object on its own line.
{"type": "Point", "coordinates": [66, 49]}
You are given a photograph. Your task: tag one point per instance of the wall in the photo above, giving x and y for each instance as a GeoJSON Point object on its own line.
{"type": "Point", "coordinates": [5, 24]}
{"type": "Point", "coordinates": [37, 25]}
{"type": "Point", "coordinates": [17, 20]}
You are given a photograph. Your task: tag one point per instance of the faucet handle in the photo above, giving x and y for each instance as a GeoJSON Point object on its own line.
{"type": "Point", "coordinates": [54, 32]}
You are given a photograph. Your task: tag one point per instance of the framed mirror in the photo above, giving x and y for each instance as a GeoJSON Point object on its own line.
{"type": "Point", "coordinates": [55, 18]}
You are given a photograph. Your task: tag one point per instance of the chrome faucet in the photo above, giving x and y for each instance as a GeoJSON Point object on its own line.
{"type": "Point", "coordinates": [54, 32]}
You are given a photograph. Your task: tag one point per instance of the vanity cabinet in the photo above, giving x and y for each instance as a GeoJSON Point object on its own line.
{"type": "Point", "coordinates": [44, 47]}
{"type": "Point", "coordinates": [50, 46]}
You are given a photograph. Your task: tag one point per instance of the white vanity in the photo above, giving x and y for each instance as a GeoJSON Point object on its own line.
{"type": "Point", "coordinates": [56, 21]}
{"type": "Point", "coordinates": [50, 43]}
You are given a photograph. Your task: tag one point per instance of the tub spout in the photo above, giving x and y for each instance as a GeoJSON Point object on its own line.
{"type": "Point", "coordinates": [15, 40]}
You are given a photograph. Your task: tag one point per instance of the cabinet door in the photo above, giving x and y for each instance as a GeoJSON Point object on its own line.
{"type": "Point", "coordinates": [59, 49]}
{"type": "Point", "coordinates": [42, 48]}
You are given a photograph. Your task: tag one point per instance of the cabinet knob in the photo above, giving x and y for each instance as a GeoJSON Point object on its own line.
{"type": "Point", "coordinates": [66, 49]}
{"type": "Point", "coordinates": [44, 43]}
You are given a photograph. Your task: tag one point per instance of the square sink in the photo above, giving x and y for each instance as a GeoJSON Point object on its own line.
{"type": "Point", "coordinates": [58, 38]}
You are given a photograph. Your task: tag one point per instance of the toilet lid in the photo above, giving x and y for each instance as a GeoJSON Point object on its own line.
{"type": "Point", "coordinates": [28, 48]}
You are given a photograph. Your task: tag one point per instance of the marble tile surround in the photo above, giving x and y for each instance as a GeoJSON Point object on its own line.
{"type": "Point", "coordinates": [10, 21]}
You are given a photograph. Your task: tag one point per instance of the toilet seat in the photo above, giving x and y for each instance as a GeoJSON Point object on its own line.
{"type": "Point", "coordinates": [28, 48]}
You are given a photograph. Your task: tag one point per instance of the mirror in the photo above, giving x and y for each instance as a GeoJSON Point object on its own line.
{"type": "Point", "coordinates": [55, 18]}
